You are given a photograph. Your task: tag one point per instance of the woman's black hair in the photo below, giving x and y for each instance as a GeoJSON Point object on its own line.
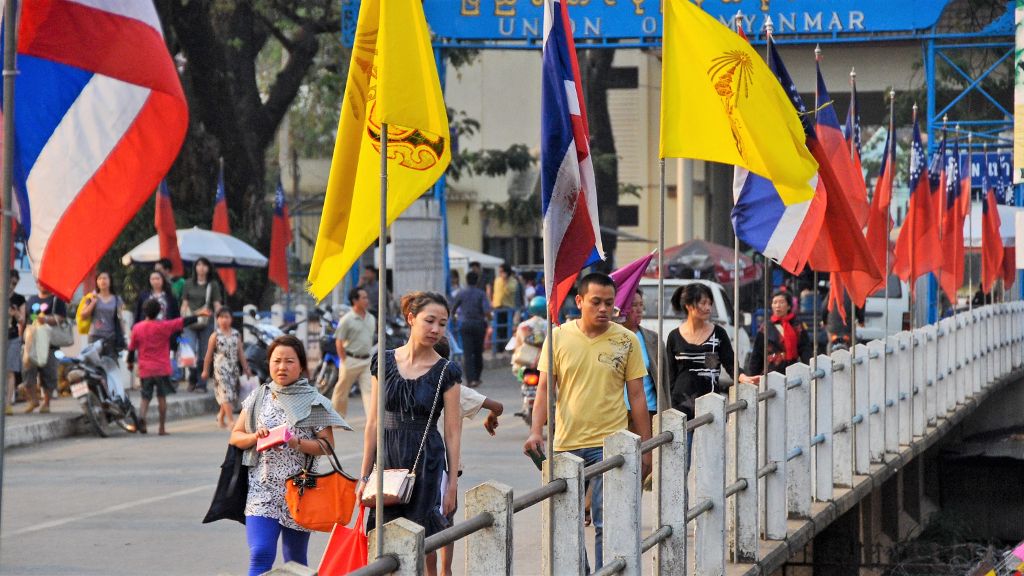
{"type": "Point", "coordinates": [223, 311]}
{"type": "Point", "coordinates": [786, 295]}
{"type": "Point", "coordinates": [109, 277]}
{"type": "Point", "coordinates": [472, 278]}
{"type": "Point", "coordinates": [413, 302]}
{"type": "Point", "coordinates": [211, 275]}
{"type": "Point", "coordinates": [353, 294]}
{"type": "Point", "coordinates": [165, 285]}
{"type": "Point", "coordinates": [690, 295]}
{"type": "Point", "coordinates": [292, 342]}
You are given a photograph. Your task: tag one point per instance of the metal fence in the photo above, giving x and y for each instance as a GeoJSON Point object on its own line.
{"type": "Point", "coordinates": [796, 438]}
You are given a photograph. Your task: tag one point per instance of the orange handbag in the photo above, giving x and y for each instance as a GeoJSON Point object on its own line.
{"type": "Point", "coordinates": [319, 501]}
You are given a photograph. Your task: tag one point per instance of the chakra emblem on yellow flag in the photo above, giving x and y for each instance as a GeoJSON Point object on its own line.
{"type": "Point", "coordinates": [732, 76]}
{"type": "Point", "coordinates": [411, 148]}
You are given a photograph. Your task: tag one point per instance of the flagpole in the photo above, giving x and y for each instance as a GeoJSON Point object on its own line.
{"type": "Point", "coordinates": [814, 345]}
{"type": "Point", "coordinates": [942, 213]}
{"type": "Point", "coordinates": [769, 29]}
{"type": "Point", "coordinates": [382, 307]}
{"type": "Point", "coordinates": [970, 218]}
{"type": "Point", "coordinates": [913, 266]}
{"type": "Point", "coordinates": [659, 365]}
{"type": "Point", "coordinates": [890, 157]}
{"type": "Point", "coordinates": [10, 71]}
{"type": "Point", "coordinates": [853, 150]}
{"type": "Point", "coordinates": [735, 278]}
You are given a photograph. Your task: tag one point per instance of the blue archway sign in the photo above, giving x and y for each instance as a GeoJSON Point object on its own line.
{"type": "Point", "coordinates": [522, 21]}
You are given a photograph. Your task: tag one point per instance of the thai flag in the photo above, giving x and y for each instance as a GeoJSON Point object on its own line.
{"type": "Point", "coordinates": [572, 237]}
{"type": "Point", "coordinates": [280, 238]}
{"type": "Point", "coordinates": [761, 217]}
{"type": "Point", "coordinates": [100, 117]}
{"type": "Point", "coordinates": [167, 229]}
{"type": "Point", "coordinates": [222, 225]}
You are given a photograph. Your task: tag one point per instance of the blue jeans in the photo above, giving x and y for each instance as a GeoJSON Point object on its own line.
{"type": "Point", "coordinates": [593, 456]}
{"type": "Point", "coordinates": [261, 534]}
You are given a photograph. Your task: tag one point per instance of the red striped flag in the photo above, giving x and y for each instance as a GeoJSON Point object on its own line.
{"type": "Point", "coordinates": [280, 238]}
{"type": "Point", "coordinates": [221, 224]}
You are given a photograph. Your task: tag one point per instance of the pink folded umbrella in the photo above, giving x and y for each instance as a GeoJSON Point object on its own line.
{"type": "Point", "coordinates": [627, 280]}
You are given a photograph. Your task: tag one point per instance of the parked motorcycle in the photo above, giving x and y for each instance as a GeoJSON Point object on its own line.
{"type": "Point", "coordinates": [526, 348]}
{"type": "Point", "coordinates": [96, 384]}
{"type": "Point", "coordinates": [327, 372]}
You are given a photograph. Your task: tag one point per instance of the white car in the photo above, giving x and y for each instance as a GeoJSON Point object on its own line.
{"type": "Point", "coordinates": [721, 312]}
{"type": "Point", "coordinates": [874, 311]}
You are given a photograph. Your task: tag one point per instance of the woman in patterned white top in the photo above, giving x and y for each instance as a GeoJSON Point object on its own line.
{"type": "Point", "coordinates": [288, 399]}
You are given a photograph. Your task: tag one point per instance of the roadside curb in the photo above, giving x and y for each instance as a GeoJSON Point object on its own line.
{"type": "Point", "coordinates": [37, 428]}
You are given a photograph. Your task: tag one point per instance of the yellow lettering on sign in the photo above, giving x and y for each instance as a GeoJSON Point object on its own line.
{"type": "Point", "coordinates": [504, 7]}
{"type": "Point", "coordinates": [470, 7]}
{"type": "Point", "coordinates": [610, 2]}
{"type": "Point", "coordinates": [764, 5]}
{"type": "Point", "coordinates": [638, 7]}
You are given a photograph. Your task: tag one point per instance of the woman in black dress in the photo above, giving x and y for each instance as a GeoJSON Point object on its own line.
{"type": "Point", "coordinates": [414, 374]}
{"type": "Point", "coordinates": [697, 350]}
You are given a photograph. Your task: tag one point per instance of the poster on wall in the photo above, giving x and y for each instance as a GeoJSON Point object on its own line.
{"type": "Point", "coordinates": [1018, 96]}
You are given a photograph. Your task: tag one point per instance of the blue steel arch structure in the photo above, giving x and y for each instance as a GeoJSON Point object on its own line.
{"type": "Point", "coordinates": [517, 25]}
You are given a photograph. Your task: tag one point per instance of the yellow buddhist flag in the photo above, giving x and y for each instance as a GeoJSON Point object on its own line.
{"type": "Point", "coordinates": [392, 79]}
{"type": "Point", "coordinates": [721, 102]}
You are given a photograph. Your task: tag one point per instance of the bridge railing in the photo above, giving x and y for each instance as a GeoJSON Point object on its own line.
{"type": "Point", "coordinates": [794, 439]}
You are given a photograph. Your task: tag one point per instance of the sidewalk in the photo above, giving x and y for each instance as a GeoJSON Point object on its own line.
{"type": "Point", "coordinates": [66, 418]}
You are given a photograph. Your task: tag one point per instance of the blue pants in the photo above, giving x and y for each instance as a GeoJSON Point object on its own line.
{"type": "Point", "coordinates": [261, 534]}
{"type": "Point", "coordinates": [593, 456]}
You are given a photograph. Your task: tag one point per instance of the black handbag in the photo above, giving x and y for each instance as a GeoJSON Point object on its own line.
{"type": "Point", "coordinates": [232, 489]}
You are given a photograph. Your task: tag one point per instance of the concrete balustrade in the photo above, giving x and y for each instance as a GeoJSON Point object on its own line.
{"type": "Point", "coordinates": [823, 431]}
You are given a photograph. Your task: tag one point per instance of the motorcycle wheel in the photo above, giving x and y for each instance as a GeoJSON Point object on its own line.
{"type": "Point", "coordinates": [130, 421]}
{"type": "Point", "coordinates": [94, 413]}
{"type": "Point", "coordinates": [326, 379]}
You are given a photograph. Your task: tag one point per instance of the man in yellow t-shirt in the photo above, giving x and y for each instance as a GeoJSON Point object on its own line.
{"type": "Point", "coordinates": [594, 357]}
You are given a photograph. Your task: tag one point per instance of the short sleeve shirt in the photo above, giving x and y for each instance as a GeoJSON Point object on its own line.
{"type": "Point", "coordinates": [591, 373]}
{"type": "Point", "coordinates": [196, 294]}
{"type": "Point", "coordinates": [356, 333]}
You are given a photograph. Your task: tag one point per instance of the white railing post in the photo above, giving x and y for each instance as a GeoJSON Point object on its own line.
{"type": "Point", "coordinates": [1004, 338]}
{"type": "Point", "coordinates": [747, 513]}
{"type": "Point", "coordinates": [931, 374]}
{"type": "Point", "coordinates": [861, 407]}
{"type": "Point", "coordinates": [798, 440]}
{"type": "Point", "coordinates": [489, 551]}
{"type": "Point", "coordinates": [249, 312]}
{"type": "Point", "coordinates": [842, 413]}
{"type": "Point", "coordinates": [775, 444]}
{"type": "Point", "coordinates": [957, 361]}
{"type": "Point", "coordinates": [302, 326]}
{"type": "Point", "coordinates": [890, 406]}
{"type": "Point", "coordinates": [277, 315]}
{"type": "Point", "coordinates": [670, 476]}
{"type": "Point", "coordinates": [622, 511]}
{"type": "Point", "coordinates": [565, 555]}
{"type": "Point", "coordinates": [904, 388]}
{"type": "Point", "coordinates": [945, 358]}
{"type": "Point", "coordinates": [823, 407]}
{"type": "Point", "coordinates": [876, 399]}
{"type": "Point", "coordinates": [918, 384]}
{"type": "Point", "coordinates": [976, 382]}
{"type": "Point", "coordinates": [403, 539]}
{"type": "Point", "coordinates": [709, 449]}
{"type": "Point", "coordinates": [986, 339]}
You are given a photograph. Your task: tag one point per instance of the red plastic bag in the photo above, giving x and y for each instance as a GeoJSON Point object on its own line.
{"type": "Point", "coordinates": [347, 550]}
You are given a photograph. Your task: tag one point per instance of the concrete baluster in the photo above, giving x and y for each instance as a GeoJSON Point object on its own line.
{"type": "Point", "coordinates": [622, 510]}
{"type": "Point", "coordinates": [669, 464]}
{"type": "Point", "coordinates": [890, 407]}
{"type": "Point", "coordinates": [302, 326]}
{"type": "Point", "coordinates": [798, 439]}
{"type": "Point", "coordinates": [861, 407]}
{"type": "Point", "coordinates": [775, 440]}
{"type": "Point", "coordinates": [277, 315]}
{"type": "Point", "coordinates": [823, 418]}
{"type": "Point", "coordinates": [708, 445]}
{"type": "Point", "coordinates": [920, 391]}
{"type": "Point", "coordinates": [403, 539]}
{"type": "Point", "coordinates": [565, 555]}
{"type": "Point", "coordinates": [842, 414]}
{"type": "Point", "coordinates": [489, 551]}
{"type": "Point", "coordinates": [930, 373]}
{"type": "Point", "coordinates": [904, 388]}
{"type": "Point", "coordinates": [747, 519]}
{"type": "Point", "coordinates": [876, 400]}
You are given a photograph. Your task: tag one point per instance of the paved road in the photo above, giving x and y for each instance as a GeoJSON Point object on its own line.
{"type": "Point", "coordinates": [133, 505]}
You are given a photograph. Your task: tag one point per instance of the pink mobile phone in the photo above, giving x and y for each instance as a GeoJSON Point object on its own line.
{"type": "Point", "coordinates": [278, 435]}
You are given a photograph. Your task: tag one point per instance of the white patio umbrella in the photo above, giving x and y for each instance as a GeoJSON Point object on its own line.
{"type": "Point", "coordinates": [1007, 227]}
{"type": "Point", "coordinates": [193, 243]}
